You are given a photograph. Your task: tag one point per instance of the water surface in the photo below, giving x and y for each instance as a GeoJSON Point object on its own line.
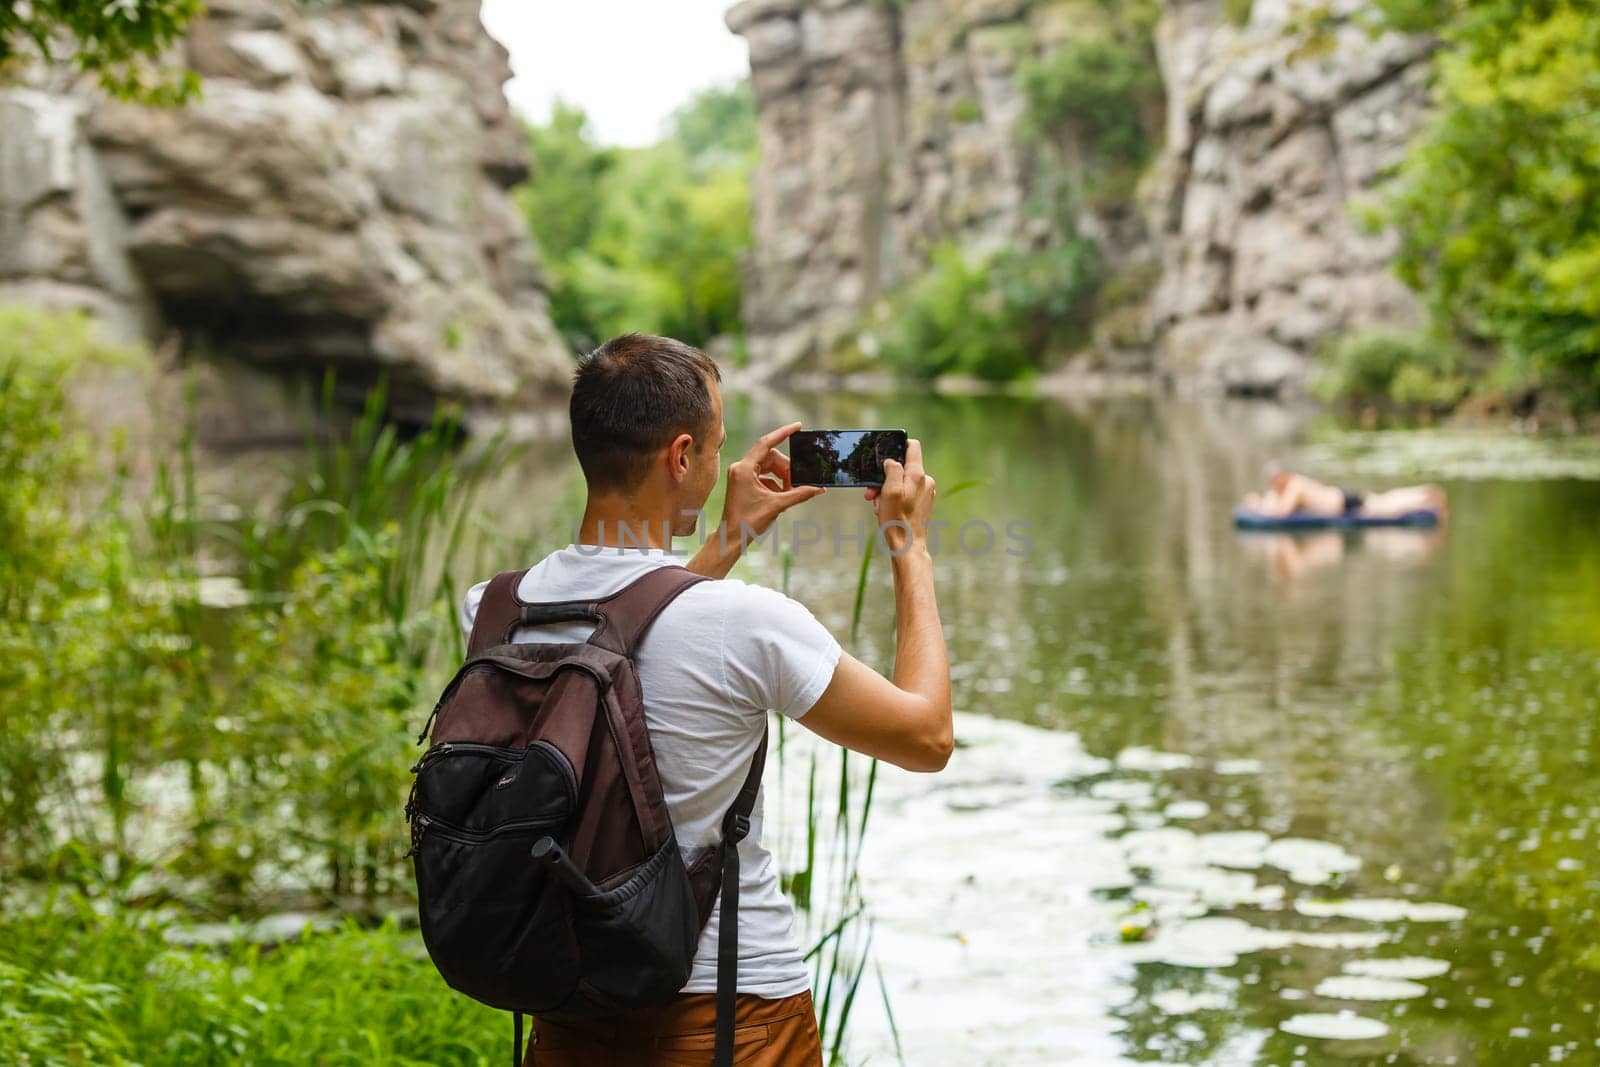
{"type": "Point", "coordinates": [1410, 717]}
{"type": "Point", "coordinates": [1350, 778]}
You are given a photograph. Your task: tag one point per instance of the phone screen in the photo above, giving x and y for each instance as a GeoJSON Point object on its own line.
{"type": "Point", "coordinates": [843, 457]}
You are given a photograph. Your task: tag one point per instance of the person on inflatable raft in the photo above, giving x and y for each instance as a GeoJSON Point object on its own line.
{"type": "Point", "coordinates": [1289, 494]}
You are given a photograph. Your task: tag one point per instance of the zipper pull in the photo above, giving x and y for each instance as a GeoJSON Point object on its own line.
{"type": "Point", "coordinates": [436, 752]}
{"type": "Point", "coordinates": [419, 826]}
{"type": "Point", "coordinates": [427, 727]}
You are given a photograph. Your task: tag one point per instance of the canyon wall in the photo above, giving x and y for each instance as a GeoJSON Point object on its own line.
{"type": "Point", "coordinates": [888, 127]}
{"type": "Point", "coordinates": [1278, 132]}
{"type": "Point", "coordinates": [337, 196]}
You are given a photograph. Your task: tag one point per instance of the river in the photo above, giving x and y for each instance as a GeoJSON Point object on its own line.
{"type": "Point", "coordinates": [1340, 790]}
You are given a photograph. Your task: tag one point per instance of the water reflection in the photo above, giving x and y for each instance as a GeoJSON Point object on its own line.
{"type": "Point", "coordinates": [1294, 555]}
{"type": "Point", "coordinates": [1423, 701]}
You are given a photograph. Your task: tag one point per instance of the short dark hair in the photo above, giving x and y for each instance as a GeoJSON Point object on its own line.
{"type": "Point", "coordinates": [633, 395]}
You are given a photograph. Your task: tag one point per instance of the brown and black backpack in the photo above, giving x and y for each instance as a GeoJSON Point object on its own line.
{"type": "Point", "coordinates": [549, 880]}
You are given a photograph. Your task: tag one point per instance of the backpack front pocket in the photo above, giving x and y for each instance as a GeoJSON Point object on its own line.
{"type": "Point", "coordinates": [476, 811]}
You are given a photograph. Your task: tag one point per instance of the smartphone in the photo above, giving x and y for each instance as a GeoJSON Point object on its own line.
{"type": "Point", "coordinates": [843, 457]}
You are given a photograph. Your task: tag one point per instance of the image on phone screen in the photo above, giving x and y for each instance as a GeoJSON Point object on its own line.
{"type": "Point", "coordinates": [843, 457]}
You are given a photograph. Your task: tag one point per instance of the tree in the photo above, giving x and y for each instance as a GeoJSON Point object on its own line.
{"type": "Point", "coordinates": [1498, 202]}
{"type": "Point", "coordinates": [117, 41]}
{"type": "Point", "coordinates": [717, 125]}
{"type": "Point", "coordinates": [650, 238]}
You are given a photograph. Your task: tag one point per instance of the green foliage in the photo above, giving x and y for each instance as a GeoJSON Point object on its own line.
{"type": "Point", "coordinates": [67, 600]}
{"type": "Point", "coordinates": [1498, 202]}
{"type": "Point", "coordinates": [716, 125]}
{"type": "Point", "coordinates": [115, 42]}
{"type": "Point", "coordinates": [562, 201]}
{"type": "Point", "coordinates": [1237, 11]}
{"type": "Point", "coordinates": [1101, 89]}
{"type": "Point", "coordinates": [210, 711]}
{"type": "Point", "coordinates": [999, 318]}
{"type": "Point", "coordinates": [647, 239]}
{"type": "Point", "coordinates": [78, 988]}
{"type": "Point", "coordinates": [253, 674]}
{"type": "Point", "coordinates": [1410, 369]}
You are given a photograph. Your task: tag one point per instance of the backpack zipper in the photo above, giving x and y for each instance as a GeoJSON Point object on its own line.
{"type": "Point", "coordinates": [450, 831]}
{"type": "Point", "coordinates": [450, 748]}
{"type": "Point", "coordinates": [468, 836]}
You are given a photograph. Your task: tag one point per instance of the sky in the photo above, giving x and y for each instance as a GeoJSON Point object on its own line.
{"type": "Point", "coordinates": [627, 63]}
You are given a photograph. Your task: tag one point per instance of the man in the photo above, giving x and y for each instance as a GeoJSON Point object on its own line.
{"type": "Point", "coordinates": [647, 429]}
{"type": "Point", "coordinates": [1289, 493]}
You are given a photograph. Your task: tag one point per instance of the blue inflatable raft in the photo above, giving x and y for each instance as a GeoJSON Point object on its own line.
{"type": "Point", "coordinates": [1245, 519]}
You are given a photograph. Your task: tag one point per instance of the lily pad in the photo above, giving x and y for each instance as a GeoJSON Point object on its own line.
{"type": "Point", "coordinates": [1399, 967]}
{"type": "Point", "coordinates": [1239, 849]}
{"type": "Point", "coordinates": [1140, 758]}
{"type": "Point", "coordinates": [1379, 910]}
{"type": "Point", "coordinates": [1237, 766]}
{"type": "Point", "coordinates": [1124, 790]}
{"type": "Point", "coordinates": [1183, 1002]}
{"type": "Point", "coordinates": [1187, 809]}
{"type": "Point", "coordinates": [1343, 1026]}
{"type": "Point", "coordinates": [1365, 987]}
{"type": "Point", "coordinates": [1309, 862]}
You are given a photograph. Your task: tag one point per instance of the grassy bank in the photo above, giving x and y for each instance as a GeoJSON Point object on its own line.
{"type": "Point", "coordinates": [85, 987]}
{"type": "Point", "coordinates": [211, 712]}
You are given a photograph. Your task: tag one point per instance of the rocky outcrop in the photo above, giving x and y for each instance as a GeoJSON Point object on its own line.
{"type": "Point", "coordinates": [1278, 131]}
{"type": "Point", "coordinates": [886, 128]}
{"type": "Point", "coordinates": [337, 196]}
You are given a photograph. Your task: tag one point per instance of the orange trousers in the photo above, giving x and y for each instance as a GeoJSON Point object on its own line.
{"type": "Point", "coordinates": [768, 1033]}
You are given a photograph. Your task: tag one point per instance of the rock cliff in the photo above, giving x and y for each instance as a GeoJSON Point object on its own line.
{"type": "Point", "coordinates": [337, 196]}
{"type": "Point", "coordinates": [1278, 131]}
{"type": "Point", "coordinates": [887, 127]}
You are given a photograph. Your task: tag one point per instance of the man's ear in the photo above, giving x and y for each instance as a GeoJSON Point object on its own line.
{"type": "Point", "coordinates": [678, 457]}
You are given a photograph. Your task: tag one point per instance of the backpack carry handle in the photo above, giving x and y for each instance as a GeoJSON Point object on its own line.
{"type": "Point", "coordinates": [566, 611]}
{"type": "Point", "coordinates": [623, 617]}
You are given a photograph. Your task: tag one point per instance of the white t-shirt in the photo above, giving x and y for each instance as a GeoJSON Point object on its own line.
{"type": "Point", "coordinates": [715, 660]}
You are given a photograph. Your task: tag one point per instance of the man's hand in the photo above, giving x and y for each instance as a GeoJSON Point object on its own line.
{"type": "Point", "coordinates": [905, 499]}
{"type": "Point", "coordinates": [758, 492]}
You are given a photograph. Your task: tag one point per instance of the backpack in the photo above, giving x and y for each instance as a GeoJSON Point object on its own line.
{"type": "Point", "coordinates": [549, 880]}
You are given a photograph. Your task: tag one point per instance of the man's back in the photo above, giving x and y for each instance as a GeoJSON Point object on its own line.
{"type": "Point", "coordinates": [715, 661]}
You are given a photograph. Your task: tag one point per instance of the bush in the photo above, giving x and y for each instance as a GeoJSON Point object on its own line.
{"type": "Point", "coordinates": [1498, 202]}
{"type": "Point", "coordinates": [1098, 89]}
{"type": "Point", "coordinates": [214, 709]}
{"type": "Point", "coordinates": [999, 318]}
{"type": "Point", "coordinates": [72, 678]}
{"type": "Point", "coordinates": [1102, 88]}
{"type": "Point", "coordinates": [1409, 369]}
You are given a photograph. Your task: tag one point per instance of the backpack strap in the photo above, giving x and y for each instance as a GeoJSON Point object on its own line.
{"type": "Point", "coordinates": [735, 825]}
{"type": "Point", "coordinates": [626, 615]}
{"type": "Point", "coordinates": [499, 612]}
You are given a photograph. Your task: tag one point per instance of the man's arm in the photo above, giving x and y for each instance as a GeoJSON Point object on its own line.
{"type": "Point", "coordinates": [906, 721]}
